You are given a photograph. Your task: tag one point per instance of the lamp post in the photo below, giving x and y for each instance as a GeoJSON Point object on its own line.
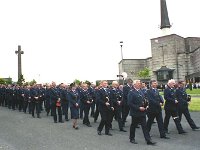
{"type": "Point", "coordinates": [121, 45]}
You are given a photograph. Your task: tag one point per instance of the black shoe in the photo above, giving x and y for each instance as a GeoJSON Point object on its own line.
{"type": "Point", "coordinates": [151, 143]}
{"type": "Point", "coordinates": [133, 141]}
{"type": "Point", "coordinates": [164, 137]}
{"type": "Point", "coordinates": [61, 121]}
{"type": "Point", "coordinates": [33, 116]}
{"type": "Point", "coordinates": [55, 121]}
{"type": "Point", "coordinates": [196, 129]}
{"type": "Point", "coordinates": [75, 127]}
{"type": "Point", "coordinates": [99, 132]}
{"type": "Point", "coordinates": [109, 134]}
{"type": "Point", "coordinates": [66, 119]}
{"type": "Point", "coordinates": [89, 125]}
{"type": "Point", "coordinates": [166, 131]}
{"type": "Point", "coordinates": [182, 132]}
{"type": "Point", "coordinates": [122, 130]}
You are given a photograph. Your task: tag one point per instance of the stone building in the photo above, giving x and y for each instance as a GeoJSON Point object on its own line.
{"type": "Point", "coordinates": [173, 56]}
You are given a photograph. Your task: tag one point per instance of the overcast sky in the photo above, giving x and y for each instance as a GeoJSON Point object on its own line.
{"type": "Point", "coordinates": [65, 40]}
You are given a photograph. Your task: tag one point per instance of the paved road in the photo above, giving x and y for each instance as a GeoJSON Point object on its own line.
{"type": "Point", "coordinates": [19, 131]}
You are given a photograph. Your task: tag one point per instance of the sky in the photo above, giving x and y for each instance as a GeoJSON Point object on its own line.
{"type": "Point", "coordinates": [65, 40]}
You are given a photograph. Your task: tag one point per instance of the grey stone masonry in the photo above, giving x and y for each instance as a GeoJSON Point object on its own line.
{"type": "Point", "coordinates": [180, 54]}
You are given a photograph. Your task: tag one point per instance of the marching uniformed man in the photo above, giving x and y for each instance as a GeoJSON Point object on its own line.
{"type": "Point", "coordinates": [154, 108]}
{"type": "Point", "coordinates": [105, 108]}
{"type": "Point", "coordinates": [136, 102]}
{"type": "Point", "coordinates": [171, 109]}
{"type": "Point", "coordinates": [117, 98]}
{"type": "Point", "coordinates": [35, 104]}
{"type": "Point", "coordinates": [55, 103]}
{"type": "Point", "coordinates": [125, 106]}
{"type": "Point", "coordinates": [183, 100]}
{"type": "Point", "coordinates": [86, 100]}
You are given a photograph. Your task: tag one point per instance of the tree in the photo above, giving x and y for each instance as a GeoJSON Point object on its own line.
{"type": "Point", "coordinates": [9, 81]}
{"type": "Point", "coordinates": [88, 82]}
{"type": "Point", "coordinates": [77, 82]}
{"type": "Point", "coordinates": [144, 73]}
{"type": "Point", "coordinates": [98, 83]}
{"type": "Point", "coordinates": [26, 83]}
{"type": "Point", "coordinates": [32, 82]}
{"type": "Point", "coordinates": [21, 80]}
{"type": "Point", "coordinates": [2, 81]}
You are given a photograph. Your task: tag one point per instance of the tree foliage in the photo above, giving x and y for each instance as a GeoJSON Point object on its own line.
{"type": "Point", "coordinates": [88, 82]}
{"type": "Point", "coordinates": [21, 80]}
{"type": "Point", "coordinates": [144, 73]}
{"type": "Point", "coordinates": [9, 81]}
{"type": "Point", "coordinates": [77, 82]}
{"type": "Point", "coordinates": [32, 82]}
{"type": "Point", "coordinates": [2, 81]}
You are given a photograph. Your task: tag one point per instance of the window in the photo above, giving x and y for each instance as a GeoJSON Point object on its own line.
{"type": "Point", "coordinates": [164, 75]}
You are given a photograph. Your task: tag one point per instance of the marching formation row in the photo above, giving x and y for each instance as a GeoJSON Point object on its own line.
{"type": "Point", "coordinates": [111, 102]}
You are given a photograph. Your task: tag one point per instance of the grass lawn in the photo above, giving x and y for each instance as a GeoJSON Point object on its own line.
{"type": "Point", "coordinates": [194, 104]}
{"type": "Point", "coordinates": [194, 91]}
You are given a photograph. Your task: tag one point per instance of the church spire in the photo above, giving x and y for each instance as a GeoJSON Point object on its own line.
{"type": "Point", "coordinates": [164, 15]}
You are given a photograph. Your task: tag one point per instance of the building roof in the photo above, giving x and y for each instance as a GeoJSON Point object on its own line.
{"type": "Point", "coordinates": [164, 68]}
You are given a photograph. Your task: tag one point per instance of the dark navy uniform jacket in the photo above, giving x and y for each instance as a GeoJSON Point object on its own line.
{"type": "Point", "coordinates": [27, 95]}
{"type": "Point", "coordinates": [103, 96]}
{"type": "Point", "coordinates": [74, 98]}
{"type": "Point", "coordinates": [170, 97]}
{"type": "Point", "coordinates": [126, 90]}
{"type": "Point", "coordinates": [116, 95]}
{"type": "Point", "coordinates": [135, 101]}
{"type": "Point", "coordinates": [54, 95]}
{"type": "Point", "coordinates": [181, 96]}
{"type": "Point", "coordinates": [154, 99]}
{"type": "Point", "coordinates": [85, 96]}
{"type": "Point", "coordinates": [34, 92]}
{"type": "Point", "coordinates": [64, 96]}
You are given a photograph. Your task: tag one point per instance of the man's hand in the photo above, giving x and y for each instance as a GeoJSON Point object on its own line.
{"type": "Point", "coordinates": [119, 102]}
{"type": "Point", "coordinates": [88, 102]}
{"type": "Point", "coordinates": [107, 104]}
{"type": "Point", "coordinates": [142, 109]}
{"type": "Point", "coordinates": [176, 101]}
{"type": "Point", "coordinates": [161, 104]}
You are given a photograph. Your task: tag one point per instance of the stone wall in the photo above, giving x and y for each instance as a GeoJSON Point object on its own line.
{"type": "Point", "coordinates": [132, 67]}
{"type": "Point", "coordinates": [173, 51]}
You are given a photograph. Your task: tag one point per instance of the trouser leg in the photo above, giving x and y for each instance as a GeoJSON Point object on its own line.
{"type": "Point", "coordinates": [189, 119]}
